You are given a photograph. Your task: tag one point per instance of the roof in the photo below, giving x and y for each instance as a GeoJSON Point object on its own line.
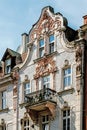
{"type": "Point", "coordinates": [11, 53]}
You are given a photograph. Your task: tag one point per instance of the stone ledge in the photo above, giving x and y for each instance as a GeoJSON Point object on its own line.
{"type": "Point", "coordinates": [70, 91]}
{"type": "Point", "coordinates": [47, 55]}
{"type": "Point", "coordinates": [4, 110]}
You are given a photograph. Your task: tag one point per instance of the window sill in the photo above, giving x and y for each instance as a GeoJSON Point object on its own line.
{"type": "Point", "coordinates": [4, 110]}
{"type": "Point", "coordinates": [47, 55]}
{"type": "Point", "coordinates": [68, 91]}
{"type": "Point", "coordinates": [22, 104]}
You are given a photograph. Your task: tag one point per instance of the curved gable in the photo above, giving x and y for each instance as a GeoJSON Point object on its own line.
{"type": "Point", "coordinates": [47, 22]}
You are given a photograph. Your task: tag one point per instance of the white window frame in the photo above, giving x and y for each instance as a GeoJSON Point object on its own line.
{"type": "Point", "coordinates": [67, 76]}
{"type": "Point", "coordinates": [27, 89]}
{"type": "Point", "coordinates": [45, 123]}
{"type": "Point", "coordinates": [46, 81]}
{"type": "Point", "coordinates": [51, 44]}
{"type": "Point", "coordinates": [4, 104]}
{"type": "Point", "coordinates": [26, 127]}
{"type": "Point", "coordinates": [66, 119]}
{"type": "Point", "coordinates": [41, 48]}
{"type": "Point", "coordinates": [8, 66]}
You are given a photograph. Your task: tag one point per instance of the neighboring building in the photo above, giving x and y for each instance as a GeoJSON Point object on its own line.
{"type": "Point", "coordinates": [42, 85]}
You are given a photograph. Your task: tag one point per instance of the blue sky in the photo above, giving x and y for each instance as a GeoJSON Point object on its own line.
{"type": "Point", "coordinates": [18, 16]}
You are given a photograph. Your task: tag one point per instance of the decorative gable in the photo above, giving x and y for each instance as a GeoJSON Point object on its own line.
{"type": "Point", "coordinates": [48, 21]}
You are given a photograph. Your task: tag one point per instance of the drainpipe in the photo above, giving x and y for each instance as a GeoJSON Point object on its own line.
{"type": "Point", "coordinates": [82, 86]}
{"type": "Point", "coordinates": [15, 76]}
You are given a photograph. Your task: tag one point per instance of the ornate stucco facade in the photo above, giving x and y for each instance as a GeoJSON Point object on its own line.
{"type": "Point", "coordinates": [42, 84]}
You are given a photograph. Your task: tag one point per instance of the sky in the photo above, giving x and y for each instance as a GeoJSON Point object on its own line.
{"type": "Point", "coordinates": [18, 16]}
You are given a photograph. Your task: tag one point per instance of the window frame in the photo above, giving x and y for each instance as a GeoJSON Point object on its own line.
{"type": "Point", "coordinates": [3, 98]}
{"type": "Point", "coordinates": [67, 119]}
{"type": "Point", "coordinates": [45, 122]}
{"type": "Point", "coordinates": [51, 44]}
{"type": "Point", "coordinates": [8, 66]}
{"type": "Point", "coordinates": [27, 88]}
{"type": "Point", "coordinates": [46, 84]}
{"type": "Point", "coordinates": [24, 90]}
{"type": "Point", "coordinates": [67, 76]}
{"type": "Point", "coordinates": [25, 127]}
{"type": "Point", "coordinates": [41, 48]}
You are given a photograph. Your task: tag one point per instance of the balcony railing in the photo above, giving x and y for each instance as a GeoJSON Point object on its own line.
{"type": "Point", "coordinates": [42, 95]}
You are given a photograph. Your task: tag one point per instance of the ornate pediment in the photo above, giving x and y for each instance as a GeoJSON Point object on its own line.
{"type": "Point", "coordinates": [48, 22]}
{"type": "Point", "coordinates": [45, 66]}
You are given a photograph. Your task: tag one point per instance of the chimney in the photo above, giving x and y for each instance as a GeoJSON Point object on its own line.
{"type": "Point", "coordinates": [85, 19]}
{"type": "Point", "coordinates": [24, 41]}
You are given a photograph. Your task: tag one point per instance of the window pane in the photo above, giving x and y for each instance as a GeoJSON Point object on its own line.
{"type": "Point", "coordinates": [65, 82]}
{"type": "Point", "coordinates": [41, 43]}
{"type": "Point", "coordinates": [41, 51]}
{"type": "Point", "coordinates": [64, 124]}
{"type": "Point", "coordinates": [51, 38]}
{"type": "Point", "coordinates": [24, 123]}
{"type": "Point", "coordinates": [8, 69]}
{"type": "Point", "coordinates": [64, 113]}
{"type": "Point", "coordinates": [68, 124]}
{"type": "Point", "coordinates": [69, 70]}
{"type": "Point", "coordinates": [66, 120]}
{"type": "Point", "coordinates": [8, 62]}
{"type": "Point", "coordinates": [46, 81]}
{"type": "Point", "coordinates": [3, 99]}
{"type": "Point", "coordinates": [69, 80]}
{"type": "Point", "coordinates": [43, 119]}
{"type": "Point", "coordinates": [51, 48]}
{"type": "Point", "coordinates": [67, 77]}
{"type": "Point", "coordinates": [68, 112]}
{"type": "Point", "coordinates": [27, 88]}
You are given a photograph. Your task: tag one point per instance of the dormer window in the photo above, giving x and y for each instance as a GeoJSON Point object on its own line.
{"type": "Point", "coordinates": [51, 43]}
{"type": "Point", "coordinates": [41, 48]}
{"type": "Point", "coordinates": [7, 66]}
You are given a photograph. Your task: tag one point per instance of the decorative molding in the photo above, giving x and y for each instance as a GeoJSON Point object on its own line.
{"type": "Point", "coordinates": [78, 59]}
{"type": "Point", "coordinates": [45, 66]}
{"type": "Point", "coordinates": [69, 90]}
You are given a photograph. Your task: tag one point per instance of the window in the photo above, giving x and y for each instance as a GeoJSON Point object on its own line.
{"type": "Point", "coordinates": [8, 66]}
{"type": "Point", "coordinates": [27, 89]}
{"type": "Point", "coordinates": [66, 120]}
{"type": "Point", "coordinates": [46, 81]}
{"type": "Point", "coordinates": [41, 48]}
{"type": "Point", "coordinates": [51, 43]}
{"type": "Point", "coordinates": [26, 124]}
{"type": "Point", "coordinates": [3, 94]}
{"type": "Point", "coordinates": [67, 77]}
{"type": "Point", "coordinates": [45, 122]}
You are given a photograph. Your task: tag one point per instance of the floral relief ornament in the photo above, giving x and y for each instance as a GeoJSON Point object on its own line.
{"type": "Point", "coordinates": [44, 67]}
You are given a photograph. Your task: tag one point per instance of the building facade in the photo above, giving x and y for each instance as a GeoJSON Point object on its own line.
{"type": "Point", "coordinates": [42, 83]}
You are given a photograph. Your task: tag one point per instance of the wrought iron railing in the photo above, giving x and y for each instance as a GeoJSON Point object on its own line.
{"type": "Point", "coordinates": [40, 96]}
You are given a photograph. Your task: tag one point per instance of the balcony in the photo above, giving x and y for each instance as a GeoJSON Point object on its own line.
{"type": "Point", "coordinates": [42, 100]}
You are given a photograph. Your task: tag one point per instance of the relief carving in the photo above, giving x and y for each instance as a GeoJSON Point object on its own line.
{"type": "Point", "coordinates": [45, 25]}
{"type": "Point", "coordinates": [78, 60]}
{"type": "Point", "coordinates": [44, 67]}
